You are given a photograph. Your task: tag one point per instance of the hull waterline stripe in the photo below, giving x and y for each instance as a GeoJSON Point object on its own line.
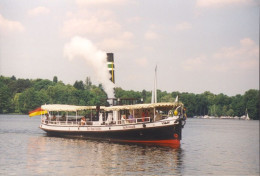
{"type": "Point", "coordinates": [170, 141]}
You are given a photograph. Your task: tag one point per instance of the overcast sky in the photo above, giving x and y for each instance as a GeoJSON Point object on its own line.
{"type": "Point", "coordinates": [197, 45]}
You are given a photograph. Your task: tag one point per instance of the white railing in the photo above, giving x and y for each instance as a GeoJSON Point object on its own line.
{"type": "Point", "coordinates": [94, 123]}
{"type": "Point", "coordinates": [134, 120]}
{"type": "Point", "coordinates": [62, 122]}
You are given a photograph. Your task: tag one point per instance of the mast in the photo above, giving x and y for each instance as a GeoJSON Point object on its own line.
{"type": "Point", "coordinates": [155, 85]}
{"type": "Point", "coordinates": [154, 92]}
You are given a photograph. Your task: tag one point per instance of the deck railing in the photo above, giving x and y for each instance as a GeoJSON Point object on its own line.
{"type": "Point", "coordinates": [91, 123]}
{"type": "Point", "coordinates": [134, 120]}
{"type": "Point", "coordinates": [62, 122]}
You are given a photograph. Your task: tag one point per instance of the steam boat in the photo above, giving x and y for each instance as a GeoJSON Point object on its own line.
{"type": "Point", "coordinates": [155, 123]}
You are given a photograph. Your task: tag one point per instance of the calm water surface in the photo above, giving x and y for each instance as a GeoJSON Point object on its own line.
{"type": "Point", "coordinates": [209, 147]}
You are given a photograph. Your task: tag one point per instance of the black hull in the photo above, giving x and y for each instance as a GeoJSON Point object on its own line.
{"type": "Point", "coordinates": [157, 135]}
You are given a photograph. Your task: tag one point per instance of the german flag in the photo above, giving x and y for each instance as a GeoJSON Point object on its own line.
{"type": "Point", "coordinates": [38, 111]}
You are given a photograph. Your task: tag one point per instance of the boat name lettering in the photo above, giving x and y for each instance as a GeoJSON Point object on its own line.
{"type": "Point", "coordinates": [165, 122]}
{"type": "Point", "coordinates": [94, 128]}
{"type": "Point", "coordinates": [129, 127]}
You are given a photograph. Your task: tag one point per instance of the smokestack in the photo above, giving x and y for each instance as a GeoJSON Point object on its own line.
{"type": "Point", "coordinates": [111, 66]}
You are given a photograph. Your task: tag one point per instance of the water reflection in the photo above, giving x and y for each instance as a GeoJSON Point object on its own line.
{"type": "Point", "coordinates": [57, 156]}
{"type": "Point", "coordinates": [217, 147]}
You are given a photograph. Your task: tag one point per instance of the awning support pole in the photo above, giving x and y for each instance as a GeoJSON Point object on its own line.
{"type": "Point", "coordinates": [154, 115]}
{"type": "Point", "coordinates": [76, 117]}
{"type": "Point", "coordinates": [67, 118]}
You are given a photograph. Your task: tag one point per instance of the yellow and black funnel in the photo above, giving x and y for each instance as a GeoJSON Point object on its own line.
{"type": "Point", "coordinates": [111, 66]}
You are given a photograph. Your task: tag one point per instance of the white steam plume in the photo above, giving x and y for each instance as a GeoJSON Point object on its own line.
{"type": "Point", "coordinates": [95, 58]}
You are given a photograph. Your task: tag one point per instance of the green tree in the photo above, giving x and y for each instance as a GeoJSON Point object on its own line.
{"type": "Point", "coordinates": [201, 106]}
{"type": "Point", "coordinates": [189, 100]}
{"type": "Point", "coordinates": [144, 95]}
{"type": "Point", "coordinates": [224, 110]}
{"type": "Point", "coordinates": [222, 99]}
{"type": "Point", "coordinates": [22, 95]}
{"type": "Point", "coordinates": [167, 98]}
{"type": "Point", "coordinates": [161, 94]}
{"type": "Point", "coordinates": [99, 97]}
{"type": "Point", "coordinates": [13, 78]}
{"type": "Point", "coordinates": [40, 84]}
{"type": "Point", "coordinates": [59, 93]}
{"type": "Point", "coordinates": [74, 96]}
{"type": "Point", "coordinates": [21, 85]}
{"type": "Point", "coordinates": [16, 104]}
{"type": "Point", "coordinates": [5, 99]}
{"type": "Point", "coordinates": [55, 79]}
{"type": "Point", "coordinates": [79, 85]}
{"type": "Point", "coordinates": [175, 94]}
{"type": "Point", "coordinates": [88, 83]}
{"type": "Point", "coordinates": [238, 105]}
{"type": "Point", "coordinates": [218, 110]}
{"type": "Point", "coordinates": [31, 99]}
{"type": "Point", "coordinates": [251, 101]}
{"type": "Point", "coordinates": [230, 112]}
{"type": "Point", "coordinates": [119, 92]}
{"type": "Point", "coordinates": [9, 82]}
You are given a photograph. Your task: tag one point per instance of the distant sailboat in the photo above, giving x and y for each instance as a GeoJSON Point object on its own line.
{"type": "Point", "coordinates": [247, 116]}
{"type": "Point", "coordinates": [176, 99]}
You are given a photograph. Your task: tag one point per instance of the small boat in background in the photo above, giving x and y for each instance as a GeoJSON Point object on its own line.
{"type": "Point", "coordinates": [247, 117]}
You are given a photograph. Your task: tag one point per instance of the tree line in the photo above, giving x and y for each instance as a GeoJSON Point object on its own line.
{"type": "Point", "coordinates": [22, 95]}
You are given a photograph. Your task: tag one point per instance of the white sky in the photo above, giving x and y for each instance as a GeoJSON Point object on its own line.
{"type": "Point", "coordinates": [198, 45]}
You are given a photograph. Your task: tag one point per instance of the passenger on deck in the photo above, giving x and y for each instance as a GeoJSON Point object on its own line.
{"type": "Point", "coordinates": [100, 118]}
{"type": "Point", "coordinates": [131, 117]}
{"type": "Point", "coordinates": [47, 117]}
{"type": "Point", "coordinates": [144, 114]}
{"type": "Point", "coordinates": [151, 115]}
{"type": "Point", "coordinates": [53, 118]}
{"type": "Point", "coordinates": [123, 118]}
{"type": "Point", "coordinates": [157, 116]}
{"type": "Point", "coordinates": [83, 121]}
{"type": "Point", "coordinates": [63, 118]}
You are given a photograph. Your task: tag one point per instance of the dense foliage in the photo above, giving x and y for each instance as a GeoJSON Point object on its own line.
{"type": "Point", "coordinates": [23, 95]}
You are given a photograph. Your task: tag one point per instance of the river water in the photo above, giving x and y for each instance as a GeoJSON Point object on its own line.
{"type": "Point", "coordinates": [208, 147]}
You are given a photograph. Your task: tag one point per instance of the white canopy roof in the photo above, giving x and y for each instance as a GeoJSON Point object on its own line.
{"type": "Point", "coordinates": [61, 107]}
{"type": "Point", "coordinates": [142, 106]}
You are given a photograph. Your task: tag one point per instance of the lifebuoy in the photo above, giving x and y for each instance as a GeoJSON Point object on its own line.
{"type": "Point", "coordinates": [175, 135]}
